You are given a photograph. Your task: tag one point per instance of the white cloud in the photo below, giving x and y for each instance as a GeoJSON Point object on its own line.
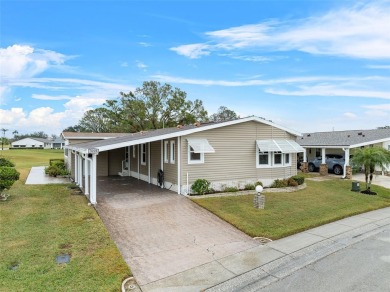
{"type": "Point", "coordinates": [124, 64]}
{"type": "Point", "coordinates": [382, 107]}
{"type": "Point", "coordinates": [144, 44]}
{"type": "Point", "coordinates": [379, 66]}
{"type": "Point", "coordinates": [49, 97]}
{"type": "Point", "coordinates": [140, 65]}
{"type": "Point", "coordinates": [24, 61]}
{"type": "Point", "coordinates": [350, 115]}
{"type": "Point", "coordinates": [361, 31]}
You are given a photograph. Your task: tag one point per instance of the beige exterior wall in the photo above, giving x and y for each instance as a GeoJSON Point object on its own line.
{"type": "Point", "coordinates": [170, 169]}
{"type": "Point", "coordinates": [102, 164]}
{"type": "Point", "coordinates": [115, 158]}
{"type": "Point", "coordinates": [234, 160]}
{"type": "Point", "coordinates": [155, 160]}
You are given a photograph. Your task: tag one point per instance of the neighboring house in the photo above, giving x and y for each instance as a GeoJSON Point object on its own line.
{"type": "Point", "coordinates": [232, 153]}
{"type": "Point", "coordinates": [31, 142]}
{"type": "Point", "coordinates": [342, 142]}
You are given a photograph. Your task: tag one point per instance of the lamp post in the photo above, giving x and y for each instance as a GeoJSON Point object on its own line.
{"type": "Point", "coordinates": [259, 199]}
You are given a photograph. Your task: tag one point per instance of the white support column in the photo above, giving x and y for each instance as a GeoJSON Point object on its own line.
{"type": "Point", "coordinates": [128, 160]}
{"type": "Point", "coordinates": [323, 155]}
{"type": "Point", "coordinates": [304, 156]}
{"type": "Point", "coordinates": [346, 156]}
{"type": "Point", "coordinates": [92, 197]}
{"type": "Point", "coordinates": [178, 165]}
{"type": "Point", "coordinates": [81, 172]}
{"type": "Point", "coordinates": [138, 154]}
{"type": "Point", "coordinates": [162, 155]}
{"type": "Point", "coordinates": [149, 178]}
{"type": "Point", "coordinates": [86, 166]}
{"type": "Point", "coordinates": [76, 166]}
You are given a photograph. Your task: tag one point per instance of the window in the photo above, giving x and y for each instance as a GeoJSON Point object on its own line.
{"type": "Point", "coordinates": [194, 158]}
{"type": "Point", "coordinates": [263, 158]}
{"type": "Point", "coordinates": [166, 151]}
{"type": "Point", "coordinates": [134, 151]}
{"type": "Point", "coordinates": [143, 154]}
{"type": "Point", "coordinates": [172, 148]}
{"type": "Point", "coordinates": [287, 160]}
{"type": "Point", "coordinates": [278, 158]}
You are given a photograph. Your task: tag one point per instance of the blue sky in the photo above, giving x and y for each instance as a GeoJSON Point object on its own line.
{"type": "Point", "coordinates": [307, 65]}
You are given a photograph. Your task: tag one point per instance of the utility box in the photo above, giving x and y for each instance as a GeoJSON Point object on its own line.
{"type": "Point", "coordinates": [355, 186]}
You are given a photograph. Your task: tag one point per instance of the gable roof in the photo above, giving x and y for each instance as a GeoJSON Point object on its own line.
{"type": "Point", "coordinates": [84, 135]}
{"type": "Point", "coordinates": [167, 133]}
{"type": "Point", "coordinates": [351, 139]}
{"type": "Point", "coordinates": [42, 140]}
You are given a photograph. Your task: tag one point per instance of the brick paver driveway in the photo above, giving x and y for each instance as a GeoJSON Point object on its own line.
{"type": "Point", "coordinates": [160, 233]}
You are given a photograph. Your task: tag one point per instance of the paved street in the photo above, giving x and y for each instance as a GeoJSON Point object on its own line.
{"type": "Point", "coordinates": [364, 266]}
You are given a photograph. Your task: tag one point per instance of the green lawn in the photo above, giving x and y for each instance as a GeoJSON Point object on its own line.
{"type": "Point", "coordinates": [37, 223]}
{"type": "Point", "coordinates": [290, 213]}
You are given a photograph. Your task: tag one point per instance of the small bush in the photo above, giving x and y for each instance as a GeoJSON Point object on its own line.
{"type": "Point", "coordinates": [299, 179]}
{"type": "Point", "coordinates": [8, 175]}
{"type": "Point", "coordinates": [279, 183]}
{"type": "Point", "coordinates": [201, 186]}
{"type": "Point", "coordinates": [56, 162]}
{"type": "Point", "coordinates": [56, 168]}
{"type": "Point", "coordinates": [6, 162]}
{"type": "Point", "coordinates": [249, 187]}
{"type": "Point", "coordinates": [291, 182]}
{"type": "Point", "coordinates": [258, 183]}
{"type": "Point", "coordinates": [230, 189]}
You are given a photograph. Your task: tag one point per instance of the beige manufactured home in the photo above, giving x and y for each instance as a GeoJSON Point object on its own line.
{"type": "Point", "coordinates": [232, 153]}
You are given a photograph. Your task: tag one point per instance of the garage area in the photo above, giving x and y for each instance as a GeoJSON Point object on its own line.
{"type": "Point", "coordinates": [161, 233]}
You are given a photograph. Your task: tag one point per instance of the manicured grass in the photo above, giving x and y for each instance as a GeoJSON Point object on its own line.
{"type": "Point", "coordinates": [39, 222]}
{"type": "Point", "coordinates": [290, 213]}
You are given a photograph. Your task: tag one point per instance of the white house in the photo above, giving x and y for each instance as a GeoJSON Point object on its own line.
{"type": "Point", "coordinates": [31, 142]}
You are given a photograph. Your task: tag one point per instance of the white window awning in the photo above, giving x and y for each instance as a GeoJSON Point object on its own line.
{"type": "Point", "coordinates": [279, 145]}
{"type": "Point", "coordinates": [200, 145]}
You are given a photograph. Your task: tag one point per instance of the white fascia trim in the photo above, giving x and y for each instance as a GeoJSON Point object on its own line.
{"type": "Point", "coordinates": [327, 147]}
{"type": "Point", "coordinates": [196, 130]}
{"type": "Point", "coordinates": [370, 142]}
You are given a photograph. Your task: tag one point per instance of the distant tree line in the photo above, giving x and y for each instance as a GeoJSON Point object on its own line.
{"type": "Point", "coordinates": [152, 106]}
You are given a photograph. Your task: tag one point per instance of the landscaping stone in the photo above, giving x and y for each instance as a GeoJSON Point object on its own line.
{"type": "Point", "coordinates": [324, 169]}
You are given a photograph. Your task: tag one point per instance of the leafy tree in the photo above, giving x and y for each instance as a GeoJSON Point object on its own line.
{"type": "Point", "coordinates": [384, 127]}
{"type": "Point", "coordinates": [155, 106]}
{"type": "Point", "coordinates": [224, 114]}
{"type": "Point", "coordinates": [75, 128]}
{"type": "Point", "coordinates": [369, 158]}
{"type": "Point", "coordinates": [96, 120]}
{"type": "Point", "coordinates": [39, 134]}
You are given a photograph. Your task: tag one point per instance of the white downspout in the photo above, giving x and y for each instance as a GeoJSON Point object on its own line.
{"type": "Point", "coordinates": [81, 171]}
{"type": "Point", "coordinates": [76, 166]}
{"type": "Point", "coordinates": [178, 165]}
{"type": "Point", "coordinates": [149, 162]}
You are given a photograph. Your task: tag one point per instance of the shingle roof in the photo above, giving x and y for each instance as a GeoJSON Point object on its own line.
{"type": "Point", "coordinates": [82, 135]}
{"type": "Point", "coordinates": [343, 138]}
{"type": "Point", "coordinates": [155, 135]}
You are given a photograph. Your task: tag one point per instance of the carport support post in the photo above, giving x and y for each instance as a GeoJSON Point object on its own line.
{"type": "Point", "coordinates": [81, 171]}
{"type": "Point", "coordinates": [92, 197]}
{"type": "Point", "coordinates": [178, 165]}
{"type": "Point", "coordinates": [149, 162]}
{"type": "Point", "coordinates": [128, 161]}
{"type": "Point", "coordinates": [86, 166]}
{"type": "Point", "coordinates": [76, 166]}
{"type": "Point", "coordinates": [323, 166]}
{"type": "Point", "coordinates": [346, 164]}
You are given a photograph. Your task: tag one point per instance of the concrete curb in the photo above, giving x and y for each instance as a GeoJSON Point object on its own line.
{"type": "Point", "coordinates": [280, 268]}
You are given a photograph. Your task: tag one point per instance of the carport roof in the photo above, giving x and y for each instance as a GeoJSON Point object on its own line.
{"type": "Point", "coordinates": [350, 139]}
{"type": "Point", "coordinates": [167, 133]}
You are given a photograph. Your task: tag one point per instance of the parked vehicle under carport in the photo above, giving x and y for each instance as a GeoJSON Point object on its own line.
{"type": "Point", "coordinates": [335, 163]}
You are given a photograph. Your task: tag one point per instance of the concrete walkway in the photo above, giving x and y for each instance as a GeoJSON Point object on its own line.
{"type": "Point", "coordinates": [380, 180]}
{"type": "Point", "coordinates": [37, 176]}
{"type": "Point", "coordinates": [268, 263]}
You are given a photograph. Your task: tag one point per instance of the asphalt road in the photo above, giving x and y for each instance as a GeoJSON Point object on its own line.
{"type": "Point", "coordinates": [364, 266]}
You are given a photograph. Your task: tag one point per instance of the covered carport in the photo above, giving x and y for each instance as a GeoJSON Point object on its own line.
{"type": "Point", "coordinates": [340, 142]}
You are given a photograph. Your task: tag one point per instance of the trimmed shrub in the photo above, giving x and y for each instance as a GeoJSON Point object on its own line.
{"type": "Point", "coordinates": [8, 175]}
{"type": "Point", "coordinates": [230, 189]}
{"type": "Point", "coordinates": [57, 167]}
{"type": "Point", "coordinates": [249, 187]}
{"type": "Point", "coordinates": [201, 186]}
{"type": "Point", "coordinates": [291, 182]}
{"type": "Point", "coordinates": [279, 183]}
{"type": "Point", "coordinates": [300, 179]}
{"type": "Point", "coordinates": [258, 183]}
{"type": "Point", "coordinates": [6, 162]}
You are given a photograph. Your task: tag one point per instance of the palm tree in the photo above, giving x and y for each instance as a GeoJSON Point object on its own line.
{"type": "Point", "coordinates": [370, 158]}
